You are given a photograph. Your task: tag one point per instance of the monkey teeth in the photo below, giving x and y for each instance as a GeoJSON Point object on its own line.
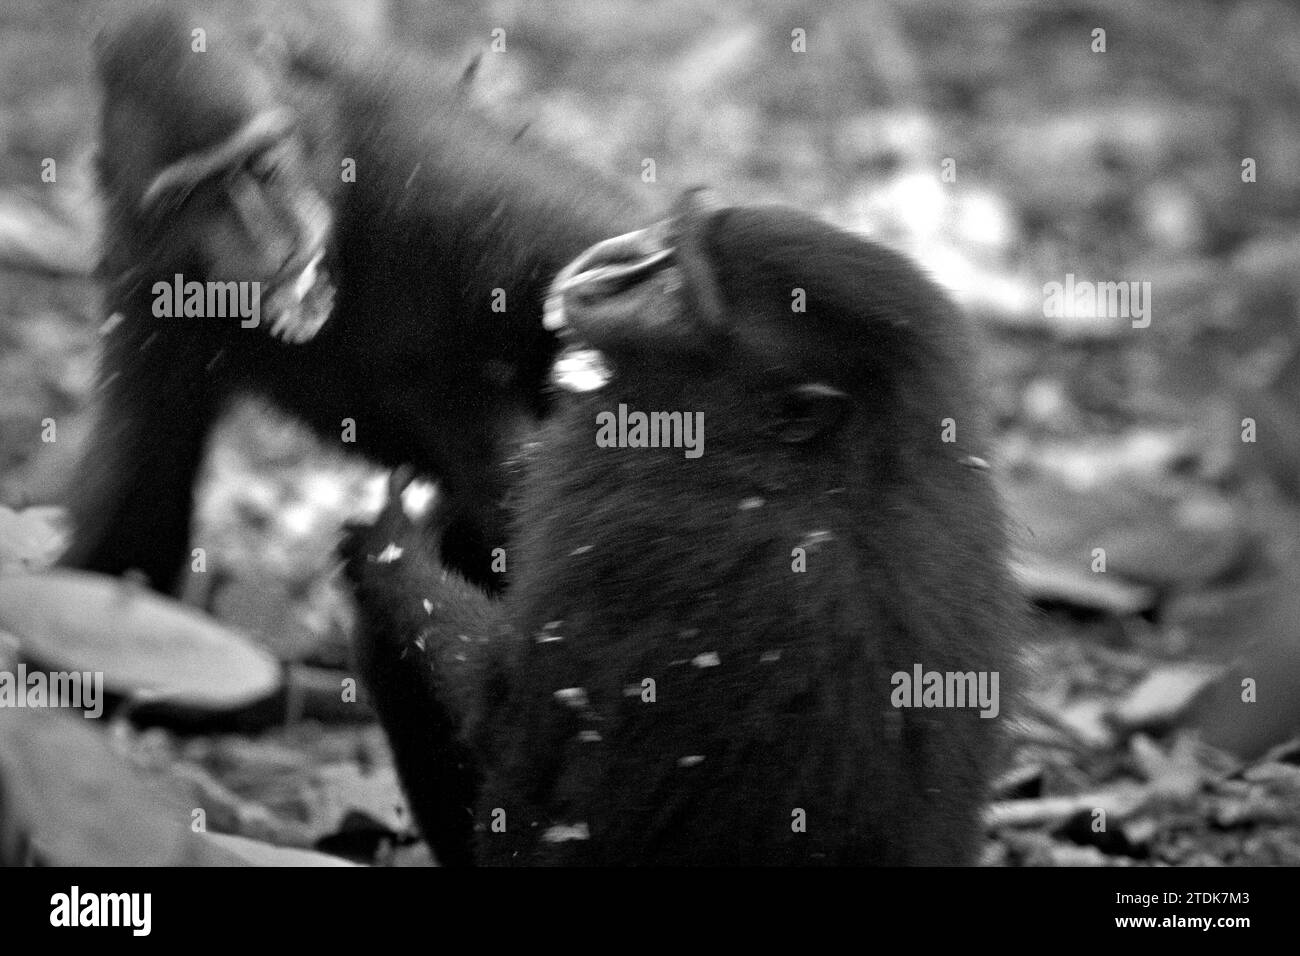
{"type": "Point", "coordinates": [581, 370]}
{"type": "Point", "coordinates": [553, 313]}
{"type": "Point", "coordinates": [309, 277]}
{"type": "Point", "coordinates": [300, 310]}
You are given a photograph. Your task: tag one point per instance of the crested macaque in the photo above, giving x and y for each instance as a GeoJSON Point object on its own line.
{"type": "Point", "coordinates": [706, 652]}
{"type": "Point", "coordinates": [401, 245]}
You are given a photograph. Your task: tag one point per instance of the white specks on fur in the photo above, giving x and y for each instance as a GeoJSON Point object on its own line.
{"type": "Point", "coordinates": [559, 833]}
{"type": "Point", "coordinates": [813, 539]}
{"type": "Point", "coordinates": [575, 697]}
{"type": "Point", "coordinates": [547, 634]}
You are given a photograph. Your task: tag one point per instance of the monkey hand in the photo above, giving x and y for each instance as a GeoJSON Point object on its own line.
{"type": "Point", "coordinates": [418, 622]}
{"type": "Point", "coordinates": [387, 538]}
{"type": "Point", "coordinates": [393, 564]}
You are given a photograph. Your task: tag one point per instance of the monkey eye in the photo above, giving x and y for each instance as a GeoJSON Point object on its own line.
{"type": "Point", "coordinates": [262, 168]}
{"type": "Point", "coordinates": [266, 165]}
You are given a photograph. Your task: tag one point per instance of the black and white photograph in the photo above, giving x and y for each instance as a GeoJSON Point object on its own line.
{"type": "Point", "coordinates": [653, 433]}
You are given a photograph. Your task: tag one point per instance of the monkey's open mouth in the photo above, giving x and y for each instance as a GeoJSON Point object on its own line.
{"type": "Point", "coordinates": [300, 305]}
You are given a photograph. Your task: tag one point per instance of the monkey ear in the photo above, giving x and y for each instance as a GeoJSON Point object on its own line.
{"type": "Point", "coordinates": [812, 410]}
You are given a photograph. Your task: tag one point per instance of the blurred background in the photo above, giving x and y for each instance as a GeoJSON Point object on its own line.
{"type": "Point", "coordinates": [1152, 473]}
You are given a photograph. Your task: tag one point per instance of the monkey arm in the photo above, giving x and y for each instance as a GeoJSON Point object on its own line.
{"type": "Point", "coordinates": [133, 492]}
{"type": "Point", "coordinates": [423, 653]}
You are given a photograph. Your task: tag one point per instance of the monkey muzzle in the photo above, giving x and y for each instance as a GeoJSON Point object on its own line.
{"type": "Point", "coordinates": [301, 298]}
{"type": "Point", "coordinates": [610, 286]}
{"type": "Point", "coordinates": [612, 273]}
{"type": "Point", "coordinates": [648, 291]}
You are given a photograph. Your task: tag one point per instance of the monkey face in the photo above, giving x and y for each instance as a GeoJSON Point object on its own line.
{"type": "Point", "coordinates": [247, 211]}
{"type": "Point", "coordinates": [636, 286]}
